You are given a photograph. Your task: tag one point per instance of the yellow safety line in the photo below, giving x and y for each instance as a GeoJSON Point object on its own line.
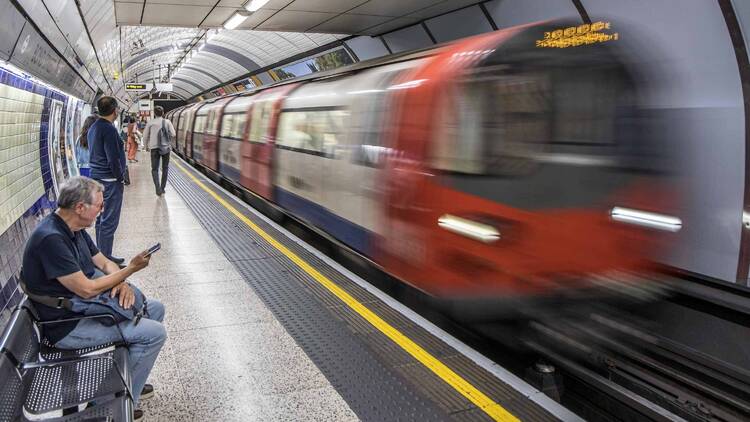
{"type": "Point", "coordinates": [494, 410]}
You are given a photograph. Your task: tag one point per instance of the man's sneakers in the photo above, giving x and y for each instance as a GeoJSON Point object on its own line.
{"type": "Point", "coordinates": [147, 392]}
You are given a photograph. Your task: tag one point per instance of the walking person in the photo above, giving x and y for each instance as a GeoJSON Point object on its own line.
{"type": "Point", "coordinates": [132, 144]}
{"type": "Point", "coordinates": [157, 136]}
{"type": "Point", "coordinates": [83, 154]}
{"type": "Point", "coordinates": [109, 168]}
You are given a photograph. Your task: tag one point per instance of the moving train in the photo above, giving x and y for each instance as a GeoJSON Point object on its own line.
{"type": "Point", "coordinates": [517, 165]}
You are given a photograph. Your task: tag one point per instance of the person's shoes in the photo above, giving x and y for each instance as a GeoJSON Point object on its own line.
{"type": "Point", "coordinates": [147, 392]}
{"type": "Point", "coordinates": [122, 266]}
{"type": "Point", "coordinates": [138, 415]}
{"type": "Point", "coordinates": [117, 260]}
{"type": "Point", "coordinates": [158, 193]}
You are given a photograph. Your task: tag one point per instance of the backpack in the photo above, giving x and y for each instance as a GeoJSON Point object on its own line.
{"type": "Point", "coordinates": [164, 139]}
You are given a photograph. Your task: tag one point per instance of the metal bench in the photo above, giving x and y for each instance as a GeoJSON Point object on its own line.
{"type": "Point", "coordinates": [40, 382]}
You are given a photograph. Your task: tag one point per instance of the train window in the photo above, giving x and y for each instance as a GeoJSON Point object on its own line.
{"type": "Point", "coordinates": [226, 125]}
{"type": "Point", "coordinates": [317, 131]}
{"type": "Point", "coordinates": [538, 137]}
{"type": "Point", "coordinates": [261, 119]}
{"type": "Point", "coordinates": [233, 125]}
{"type": "Point", "coordinates": [200, 124]}
{"type": "Point", "coordinates": [211, 123]}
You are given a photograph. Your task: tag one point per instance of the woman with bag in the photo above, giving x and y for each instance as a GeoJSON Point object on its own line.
{"type": "Point", "coordinates": [157, 136]}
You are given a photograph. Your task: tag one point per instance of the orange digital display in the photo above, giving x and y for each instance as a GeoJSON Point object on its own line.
{"type": "Point", "coordinates": [577, 35]}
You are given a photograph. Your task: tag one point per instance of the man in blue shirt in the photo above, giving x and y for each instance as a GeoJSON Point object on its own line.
{"type": "Point", "coordinates": [61, 260]}
{"type": "Point", "coordinates": [107, 162]}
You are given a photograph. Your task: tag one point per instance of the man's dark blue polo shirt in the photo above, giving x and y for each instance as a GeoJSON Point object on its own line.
{"type": "Point", "coordinates": [53, 251]}
{"type": "Point", "coordinates": [107, 159]}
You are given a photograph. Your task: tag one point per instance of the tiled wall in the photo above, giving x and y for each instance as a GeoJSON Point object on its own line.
{"type": "Point", "coordinates": [26, 186]}
{"type": "Point", "coordinates": [20, 175]}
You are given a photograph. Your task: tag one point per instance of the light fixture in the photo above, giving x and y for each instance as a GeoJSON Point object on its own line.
{"type": "Point", "coordinates": [646, 219]}
{"type": "Point", "coordinates": [255, 5]}
{"type": "Point", "coordinates": [468, 228]}
{"type": "Point", "coordinates": [236, 19]}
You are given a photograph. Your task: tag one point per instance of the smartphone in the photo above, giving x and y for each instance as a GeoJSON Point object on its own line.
{"type": "Point", "coordinates": [153, 249]}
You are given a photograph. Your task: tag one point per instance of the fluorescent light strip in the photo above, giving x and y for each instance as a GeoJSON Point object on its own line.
{"type": "Point", "coordinates": [471, 229]}
{"type": "Point", "coordinates": [234, 21]}
{"type": "Point", "coordinates": [646, 219]}
{"type": "Point", "coordinates": [255, 5]}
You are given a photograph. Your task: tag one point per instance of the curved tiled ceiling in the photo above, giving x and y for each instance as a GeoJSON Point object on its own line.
{"type": "Point", "coordinates": [122, 41]}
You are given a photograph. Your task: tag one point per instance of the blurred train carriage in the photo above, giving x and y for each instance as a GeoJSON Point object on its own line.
{"type": "Point", "coordinates": [498, 168]}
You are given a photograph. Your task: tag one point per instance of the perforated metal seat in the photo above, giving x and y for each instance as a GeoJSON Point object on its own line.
{"type": "Point", "coordinates": [42, 382]}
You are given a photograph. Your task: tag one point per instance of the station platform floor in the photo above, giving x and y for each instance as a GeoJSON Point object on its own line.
{"type": "Point", "coordinates": [263, 327]}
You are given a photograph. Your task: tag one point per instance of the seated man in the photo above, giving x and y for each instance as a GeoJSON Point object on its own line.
{"type": "Point", "coordinates": [60, 259]}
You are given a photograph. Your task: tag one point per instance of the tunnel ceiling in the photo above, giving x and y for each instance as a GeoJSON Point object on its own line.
{"type": "Point", "coordinates": [122, 41]}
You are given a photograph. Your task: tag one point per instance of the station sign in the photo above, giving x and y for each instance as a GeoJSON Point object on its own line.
{"type": "Point", "coordinates": [135, 87]}
{"type": "Point", "coordinates": [165, 87]}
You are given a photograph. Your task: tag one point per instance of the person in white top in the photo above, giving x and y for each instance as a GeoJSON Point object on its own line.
{"type": "Point", "coordinates": [157, 135]}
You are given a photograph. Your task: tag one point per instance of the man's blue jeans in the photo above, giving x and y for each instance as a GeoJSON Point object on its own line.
{"type": "Point", "coordinates": [109, 219]}
{"type": "Point", "coordinates": [144, 341]}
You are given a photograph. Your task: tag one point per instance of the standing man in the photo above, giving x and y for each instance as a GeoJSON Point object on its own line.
{"type": "Point", "coordinates": [156, 139]}
{"type": "Point", "coordinates": [108, 166]}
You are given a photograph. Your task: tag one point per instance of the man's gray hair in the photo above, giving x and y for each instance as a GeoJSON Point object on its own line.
{"type": "Point", "coordinates": [78, 189]}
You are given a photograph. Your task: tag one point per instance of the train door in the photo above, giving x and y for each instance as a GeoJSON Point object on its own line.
{"type": "Point", "coordinates": [55, 147]}
{"type": "Point", "coordinates": [258, 151]}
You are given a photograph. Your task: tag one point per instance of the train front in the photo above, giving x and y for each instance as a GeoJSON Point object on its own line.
{"type": "Point", "coordinates": [528, 170]}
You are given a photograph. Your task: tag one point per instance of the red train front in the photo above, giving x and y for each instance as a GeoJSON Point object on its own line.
{"type": "Point", "coordinates": [523, 169]}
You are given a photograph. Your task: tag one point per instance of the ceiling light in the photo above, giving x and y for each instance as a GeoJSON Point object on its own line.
{"type": "Point", "coordinates": [255, 5]}
{"type": "Point", "coordinates": [236, 19]}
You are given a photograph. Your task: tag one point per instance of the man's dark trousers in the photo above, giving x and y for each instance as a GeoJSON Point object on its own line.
{"type": "Point", "coordinates": [109, 219]}
{"type": "Point", "coordinates": [156, 155]}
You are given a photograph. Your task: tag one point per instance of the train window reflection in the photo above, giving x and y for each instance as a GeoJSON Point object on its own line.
{"type": "Point", "coordinates": [232, 125]}
{"type": "Point", "coordinates": [541, 136]}
{"type": "Point", "coordinates": [200, 124]}
{"type": "Point", "coordinates": [317, 130]}
{"type": "Point", "coordinates": [261, 119]}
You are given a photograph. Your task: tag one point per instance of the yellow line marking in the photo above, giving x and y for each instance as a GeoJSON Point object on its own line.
{"type": "Point", "coordinates": [494, 410]}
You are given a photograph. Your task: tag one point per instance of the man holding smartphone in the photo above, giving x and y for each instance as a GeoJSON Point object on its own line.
{"type": "Point", "coordinates": [61, 260]}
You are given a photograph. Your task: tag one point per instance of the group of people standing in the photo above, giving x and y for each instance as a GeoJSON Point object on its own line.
{"type": "Point", "coordinates": [103, 154]}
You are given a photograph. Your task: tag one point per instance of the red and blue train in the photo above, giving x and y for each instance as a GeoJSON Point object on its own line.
{"type": "Point", "coordinates": [519, 164]}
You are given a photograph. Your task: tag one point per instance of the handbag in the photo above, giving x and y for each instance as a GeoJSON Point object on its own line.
{"type": "Point", "coordinates": [105, 304]}
{"type": "Point", "coordinates": [163, 139]}
{"type": "Point", "coordinates": [102, 304]}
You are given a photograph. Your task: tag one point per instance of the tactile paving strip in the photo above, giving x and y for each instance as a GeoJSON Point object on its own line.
{"type": "Point", "coordinates": [377, 378]}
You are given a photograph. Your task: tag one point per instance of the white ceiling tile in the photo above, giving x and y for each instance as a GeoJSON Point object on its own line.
{"type": "Point", "coordinates": [350, 24]}
{"type": "Point", "coordinates": [395, 7]}
{"type": "Point", "coordinates": [390, 25]}
{"type": "Point", "coordinates": [128, 13]}
{"type": "Point", "coordinates": [207, 3]}
{"type": "Point", "coordinates": [218, 16]}
{"type": "Point", "coordinates": [330, 6]}
{"type": "Point", "coordinates": [284, 20]}
{"type": "Point", "coordinates": [276, 4]}
{"type": "Point", "coordinates": [232, 3]}
{"type": "Point", "coordinates": [164, 14]}
{"type": "Point", "coordinates": [443, 7]}
{"type": "Point", "coordinates": [256, 18]}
